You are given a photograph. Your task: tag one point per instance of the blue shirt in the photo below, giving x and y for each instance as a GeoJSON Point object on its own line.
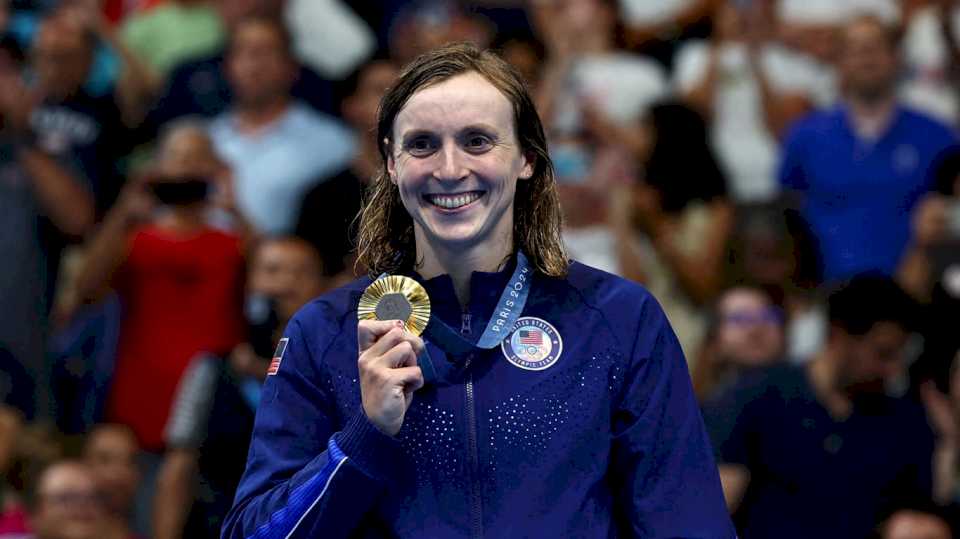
{"type": "Point", "coordinates": [812, 475]}
{"type": "Point", "coordinates": [274, 167]}
{"type": "Point", "coordinates": [603, 438]}
{"type": "Point", "coordinates": [857, 195]}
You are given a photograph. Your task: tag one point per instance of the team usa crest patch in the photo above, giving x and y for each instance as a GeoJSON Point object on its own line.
{"type": "Point", "coordinates": [533, 344]}
{"type": "Point", "coordinates": [277, 357]}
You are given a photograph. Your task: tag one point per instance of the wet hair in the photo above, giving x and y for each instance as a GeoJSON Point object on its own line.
{"type": "Point", "coordinates": [682, 167]}
{"type": "Point", "coordinates": [386, 239]}
{"type": "Point", "coordinates": [869, 299]}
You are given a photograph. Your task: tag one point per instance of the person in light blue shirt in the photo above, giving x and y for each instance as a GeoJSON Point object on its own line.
{"type": "Point", "coordinates": [277, 147]}
{"type": "Point", "coordinates": [860, 167]}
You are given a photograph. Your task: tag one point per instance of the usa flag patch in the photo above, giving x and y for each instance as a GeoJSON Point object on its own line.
{"type": "Point", "coordinates": [277, 357]}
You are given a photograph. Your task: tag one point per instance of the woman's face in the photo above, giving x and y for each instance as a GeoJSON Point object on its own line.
{"type": "Point", "coordinates": [456, 160]}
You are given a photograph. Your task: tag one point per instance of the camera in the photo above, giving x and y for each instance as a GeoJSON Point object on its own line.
{"type": "Point", "coordinates": [953, 219]}
{"type": "Point", "coordinates": [179, 190]}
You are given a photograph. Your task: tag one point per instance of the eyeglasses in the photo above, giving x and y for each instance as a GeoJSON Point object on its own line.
{"type": "Point", "coordinates": [771, 315]}
{"type": "Point", "coordinates": [72, 498]}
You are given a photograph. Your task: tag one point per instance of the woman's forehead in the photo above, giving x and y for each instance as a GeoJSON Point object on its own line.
{"type": "Point", "coordinates": [460, 101]}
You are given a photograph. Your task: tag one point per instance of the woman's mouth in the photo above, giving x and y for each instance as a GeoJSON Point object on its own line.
{"type": "Point", "coordinates": [453, 201]}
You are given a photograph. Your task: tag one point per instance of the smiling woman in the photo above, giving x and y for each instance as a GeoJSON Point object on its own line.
{"type": "Point", "coordinates": [458, 131]}
{"type": "Point", "coordinates": [560, 406]}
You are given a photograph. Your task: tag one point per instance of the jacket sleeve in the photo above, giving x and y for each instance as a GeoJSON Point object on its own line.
{"type": "Point", "coordinates": [662, 467]}
{"type": "Point", "coordinates": [302, 478]}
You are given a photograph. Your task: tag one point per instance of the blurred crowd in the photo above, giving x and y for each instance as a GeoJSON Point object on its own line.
{"type": "Point", "coordinates": [178, 177]}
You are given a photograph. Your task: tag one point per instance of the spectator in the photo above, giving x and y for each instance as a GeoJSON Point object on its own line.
{"type": "Point", "coordinates": [66, 503]}
{"type": "Point", "coordinates": [745, 333]}
{"type": "Point", "coordinates": [859, 168]}
{"type": "Point", "coordinates": [930, 269]}
{"type": "Point", "coordinates": [655, 27]}
{"type": "Point", "coordinates": [116, 70]}
{"type": "Point", "coordinates": [179, 279]}
{"type": "Point", "coordinates": [912, 524]}
{"type": "Point", "coordinates": [944, 412]}
{"type": "Point", "coordinates": [424, 25]}
{"type": "Point", "coordinates": [111, 453]}
{"type": "Point", "coordinates": [820, 450]}
{"type": "Point", "coordinates": [22, 26]}
{"type": "Point", "coordinates": [813, 27]}
{"type": "Point", "coordinates": [42, 206]}
{"type": "Point", "coordinates": [329, 209]}
{"type": "Point", "coordinates": [81, 131]}
{"type": "Point", "coordinates": [34, 449]}
{"type": "Point", "coordinates": [771, 248]}
{"type": "Point", "coordinates": [589, 89]}
{"type": "Point", "coordinates": [592, 97]}
{"type": "Point", "coordinates": [174, 32]}
{"type": "Point", "coordinates": [16, 405]}
{"type": "Point", "coordinates": [673, 226]}
{"type": "Point", "coordinates": [11, 428]}
{"type": "Point", "coordinates": [751, 88]}
{"type": "Point", "coordinates": [212, 418]}
{"type": "Point", "coordinates": [932, 58]}
{"type": "Point", "coordinates": [278, 147]}
{"type": "Point", "coordinates": [200, 87]}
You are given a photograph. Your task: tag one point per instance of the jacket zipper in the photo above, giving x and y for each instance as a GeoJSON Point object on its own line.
{"type": "Point", "coordinates": [476, 508]}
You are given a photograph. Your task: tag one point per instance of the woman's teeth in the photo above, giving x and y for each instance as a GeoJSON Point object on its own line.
{"type": "Point", "coordinates": [451, 202]}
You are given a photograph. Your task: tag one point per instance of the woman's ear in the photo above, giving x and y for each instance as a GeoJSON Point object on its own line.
{"type": "Point", "coordinates": [391, 162]}
{"type": "Point", "coordinates": [530, 161]}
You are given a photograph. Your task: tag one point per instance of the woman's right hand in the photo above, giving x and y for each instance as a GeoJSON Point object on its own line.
{"type": "Point", "coordinates": [388, 372]}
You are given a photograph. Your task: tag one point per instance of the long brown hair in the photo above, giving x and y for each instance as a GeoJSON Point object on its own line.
{"type": "Point", "coordinates": [386, 240]}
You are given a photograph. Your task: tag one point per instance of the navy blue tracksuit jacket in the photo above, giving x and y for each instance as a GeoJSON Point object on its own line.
{"type": "Point", "coordinates": [582, 424]}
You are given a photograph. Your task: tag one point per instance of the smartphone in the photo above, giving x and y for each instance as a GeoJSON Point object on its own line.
{"type": "Point", "coordinates": [180, 191]}
{"type": "Point", "coordinates": [953, 218]}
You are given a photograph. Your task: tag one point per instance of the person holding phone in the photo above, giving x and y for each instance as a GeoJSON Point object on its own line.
{"type": "Point", "coordinates": [930, 271]}
{"type": "Point", "coordinates": [179, 279]}
{"type": "Point", "coordinates": [545, 398]}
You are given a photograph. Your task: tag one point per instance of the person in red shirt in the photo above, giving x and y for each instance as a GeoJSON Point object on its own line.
{"type": "Point", "coordinates": [180, 280]}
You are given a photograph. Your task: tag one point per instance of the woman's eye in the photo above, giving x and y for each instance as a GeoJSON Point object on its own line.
{"type": "Point", "coordinates": [479, 143]}
{"type": "Point", "coordinates": [420, 146]}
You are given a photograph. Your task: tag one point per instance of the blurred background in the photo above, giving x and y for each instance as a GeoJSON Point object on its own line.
{"type": "Point", "coordinates": [178, 177]}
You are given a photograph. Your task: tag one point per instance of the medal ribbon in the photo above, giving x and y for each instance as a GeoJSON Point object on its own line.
{"type": "Point", "coordinates": [511, 303]}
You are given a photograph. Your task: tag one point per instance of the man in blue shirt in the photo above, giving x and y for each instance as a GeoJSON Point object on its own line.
{"type": "Point", "coordinates": [860, 167]}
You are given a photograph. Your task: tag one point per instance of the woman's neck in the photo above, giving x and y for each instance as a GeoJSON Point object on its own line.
{"type": "Point", "coordinates": [460, 264]}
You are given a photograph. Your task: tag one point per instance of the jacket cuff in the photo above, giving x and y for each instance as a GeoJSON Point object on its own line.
{"type": "Point", "coordinates": [375, 453]}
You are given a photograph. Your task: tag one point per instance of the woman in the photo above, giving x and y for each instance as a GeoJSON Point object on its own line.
{"type": "Point", "coordinates": [576, 419]}
{"type": "Point", "coordinates": [673, 226]}
{"type": "Point", "coordinates": [179, 279]}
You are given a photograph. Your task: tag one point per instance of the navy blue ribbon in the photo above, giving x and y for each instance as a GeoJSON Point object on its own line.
{"type": "Point", "coordinates": [511, 303]}
{"type": "Point", "coordinates": [448, 340]}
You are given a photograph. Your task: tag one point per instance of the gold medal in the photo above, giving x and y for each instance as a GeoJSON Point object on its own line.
{"type": "Point", "coordinates": [396, 297]}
